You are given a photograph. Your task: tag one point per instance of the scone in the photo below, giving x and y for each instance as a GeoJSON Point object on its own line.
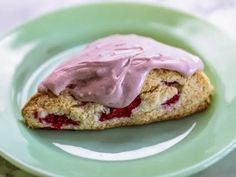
{"type": "Point", "coordinates": [117, 81]}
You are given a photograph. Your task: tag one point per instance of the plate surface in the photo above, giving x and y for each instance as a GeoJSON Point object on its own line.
{"type": "Point", "coordinates": [172, 148]}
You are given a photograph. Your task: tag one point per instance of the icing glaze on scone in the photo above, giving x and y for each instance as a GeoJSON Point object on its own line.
{"type": "Point", "coordinates": [112, 70]}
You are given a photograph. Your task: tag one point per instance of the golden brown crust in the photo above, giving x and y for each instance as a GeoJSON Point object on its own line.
{"type": "Point", "coordinates": [194, 97]}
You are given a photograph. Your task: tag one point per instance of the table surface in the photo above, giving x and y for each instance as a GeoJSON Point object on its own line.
{"type": "Point", "coordinates": [219, 12]}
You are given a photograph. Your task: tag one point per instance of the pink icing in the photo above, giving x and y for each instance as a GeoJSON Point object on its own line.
{"type": "Point", "coordinates": [112, 70]}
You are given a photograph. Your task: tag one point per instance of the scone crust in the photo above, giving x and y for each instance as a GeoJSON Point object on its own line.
{"type": "Point", "coordinates": [195, 96]}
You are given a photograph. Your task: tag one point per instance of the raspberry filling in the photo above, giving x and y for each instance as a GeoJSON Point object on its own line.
{"type": "Point", "coordinates": [170, 83]}
{"type": "Point", "coordinates": [121, 112]}
{"type": "Point", "coordinates": [172, 100]}
{"type": "Point", "coordinates": [56, 121]}
{"type": "Point", "coordinates": [175, 98]}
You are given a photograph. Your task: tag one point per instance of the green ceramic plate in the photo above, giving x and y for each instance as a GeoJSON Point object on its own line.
{"type": "Point", "coordinates": [173, 148]}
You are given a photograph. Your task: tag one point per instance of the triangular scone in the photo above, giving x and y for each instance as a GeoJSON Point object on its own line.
{"type": "Point", "coordinates": [165, 95]}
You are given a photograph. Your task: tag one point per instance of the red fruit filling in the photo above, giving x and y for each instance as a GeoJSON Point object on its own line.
{"type": "Point", "coordinates": [56, 121]}
{"type": "Point", "coordinates": [170, 83]}
{"type": "Point", "coordinates": [172, 100]}
{"type": "Point", "coordinates": [121, 112]}
{"type": "Point", "coordinates": [176, 97]}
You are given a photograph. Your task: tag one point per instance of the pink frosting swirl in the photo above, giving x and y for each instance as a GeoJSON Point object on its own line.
{"type": "Point", "coordinates": [112, 70]}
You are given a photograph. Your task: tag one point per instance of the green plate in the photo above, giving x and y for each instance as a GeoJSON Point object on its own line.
{"type": "Point", "coordinates": [172, 148]}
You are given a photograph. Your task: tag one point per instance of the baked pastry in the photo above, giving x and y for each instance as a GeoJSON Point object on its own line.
{"type": "Point", "coordinates": [117, 81]}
